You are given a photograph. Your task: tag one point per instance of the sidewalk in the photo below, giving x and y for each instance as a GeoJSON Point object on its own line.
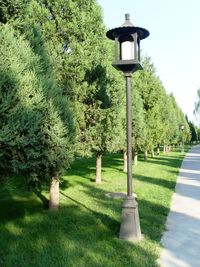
{"type": "Point", "coordinates": [181, 241]}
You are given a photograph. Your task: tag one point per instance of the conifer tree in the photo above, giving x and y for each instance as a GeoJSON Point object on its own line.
{"type": "Point", "coordinates": [36, 139]}
{"type": "Point", "coordinates": [151, 92]}
{"type": "Point", "coordinates": [10, 10]}
{"type": "Point", "coordinates": [139, 127]}
{"type": "Point", "coordinates": [74, 38]}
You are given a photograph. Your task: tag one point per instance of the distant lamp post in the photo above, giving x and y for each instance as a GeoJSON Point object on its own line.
{"type": "Point", "coordinates": [127, 59]}
{"type": "Point", "coordinates": [182, 129]}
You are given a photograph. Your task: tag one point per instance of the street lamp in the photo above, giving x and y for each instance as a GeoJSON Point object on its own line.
{"type": "Point", "coordinates": [182, 128]}
{"type": "Point", "coordinates": [190, 138]}
{"type": "Point", "coordinates": [127, 59]}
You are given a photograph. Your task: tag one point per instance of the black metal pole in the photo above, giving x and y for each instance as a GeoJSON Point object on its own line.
{"type": "Point", "coordinates": [130, 222]}
{"type": "Point", "coordinates": [182, 141]}
{"type": "Point", "coordinates": [129, 133]}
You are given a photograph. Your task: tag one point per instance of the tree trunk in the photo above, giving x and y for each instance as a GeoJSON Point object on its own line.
{"type": "Point", "coordinates": [152, 153]}
{"type": "Point", "coordinates": [54, 193]}
{"type": "Point", "coordinates": [158, 149]}
{"type": "Point", "coordinates": [135, 155]}
{"type": "Point", "coordinates": [145, 155]}
{"type": "Point", "coordinates": [98, 168]}
{"type": "Point", "coordinates": [125, 161]}
{"type": "Point", "coordinates": [164, 149]}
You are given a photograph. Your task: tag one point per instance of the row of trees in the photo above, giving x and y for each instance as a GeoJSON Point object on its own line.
{"type": "Point", "coordinates": [195, 131]}
{"type": "Point", "coordinates": [60, 96]}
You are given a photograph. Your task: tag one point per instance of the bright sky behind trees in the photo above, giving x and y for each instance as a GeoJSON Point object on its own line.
{"type": "Point", "coordinates": [173, 45]}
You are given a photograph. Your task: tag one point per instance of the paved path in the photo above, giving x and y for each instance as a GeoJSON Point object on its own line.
{"type": "Point", "coordinates": [181, 241]}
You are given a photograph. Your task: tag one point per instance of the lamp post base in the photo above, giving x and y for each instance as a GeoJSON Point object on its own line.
{"type": "Point", "coordinates": [130, 223]}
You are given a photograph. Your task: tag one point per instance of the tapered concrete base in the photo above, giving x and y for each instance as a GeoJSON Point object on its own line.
{"type": "Point", "coordinates": [130, 223]}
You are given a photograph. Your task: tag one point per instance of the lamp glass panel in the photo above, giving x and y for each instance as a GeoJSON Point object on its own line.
{"type": "Point", "coordinates": [127, 50]}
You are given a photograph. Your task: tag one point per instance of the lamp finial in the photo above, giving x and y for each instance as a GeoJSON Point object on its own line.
{"type": "Point", "coordinates": [127, 16]}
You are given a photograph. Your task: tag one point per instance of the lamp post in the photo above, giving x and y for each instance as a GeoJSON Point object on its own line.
{"type": "Point", "coordinates": [127, 59]}
{"type": "Point", "coordinates": [182, 128]}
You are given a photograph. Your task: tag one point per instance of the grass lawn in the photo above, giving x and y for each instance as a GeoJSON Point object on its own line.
{"type": "Point", "coordinates": [84, 231]}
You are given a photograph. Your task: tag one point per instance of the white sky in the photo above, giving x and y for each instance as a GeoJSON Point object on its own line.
{"type": "Point", "coordinates": [173, 44]}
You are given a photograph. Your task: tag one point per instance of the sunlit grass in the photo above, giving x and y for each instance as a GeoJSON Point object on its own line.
{"type": "Point", "coordinates": [84, 232]}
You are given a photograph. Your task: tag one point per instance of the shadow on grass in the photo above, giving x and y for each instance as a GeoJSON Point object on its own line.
{"type": "Point", "coordinates": [16, 206]}
{"type": "Point", "coordinates": [82, 233]}
{"type": "Point", "coordinates": [157, 181]}
{"type": "Point", "coordinates": [152, 216]}
{"type": "Point", "coordinates": [167, 161]}
{"type": "Point", "coordinates": [74, 236]}
{"type": "Point", "coordinates": [17, 201]}
{"type": "Point", "coordinates": [44, 200]}
{"type": "Point", "coordinates": [105, 219]}
{"type": "Point", "coordinates": [86, 167]}
{"type": "Point", "coordinates": [77, 235]}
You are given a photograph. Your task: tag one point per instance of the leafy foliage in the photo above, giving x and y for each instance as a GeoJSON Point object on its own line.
{"type": "Point", "coordinates": [73, 36]}
{"type": "Point", "coordinates": [61, 61]}
{"type": "Point", "coordinates": [35, 141]}
{"type": "Point", "coordinates": [162, 114]}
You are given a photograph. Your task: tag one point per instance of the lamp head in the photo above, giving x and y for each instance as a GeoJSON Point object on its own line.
{"type": "Point", "coordinates": [127, 45]}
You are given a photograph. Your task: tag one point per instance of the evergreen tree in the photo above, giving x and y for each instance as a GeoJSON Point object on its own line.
{"type": "Point", "coordinates": [74, 38]}
{"type": "Point", "coordinates": [169, 122]}
{"type": "Point", "coordinates": [138, 125]}
{"type": "Point", "coordinates": [198, 135]}
{"type": "Point", "coordinates": [10, 10]}
{"type": "Point", "coordinates": [152, 93]}
{"type": "Point", "coordinates": [193, 132]}
{"type": "Point", "coordinates": [197, 104]}
{"type": "Point", "coordinates": [36, 122]}
{"type": "Point", "coordinates": [177, 119]}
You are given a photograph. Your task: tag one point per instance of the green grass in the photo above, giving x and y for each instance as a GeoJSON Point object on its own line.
{"type": "Point", "coordinates": [84, 232]}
